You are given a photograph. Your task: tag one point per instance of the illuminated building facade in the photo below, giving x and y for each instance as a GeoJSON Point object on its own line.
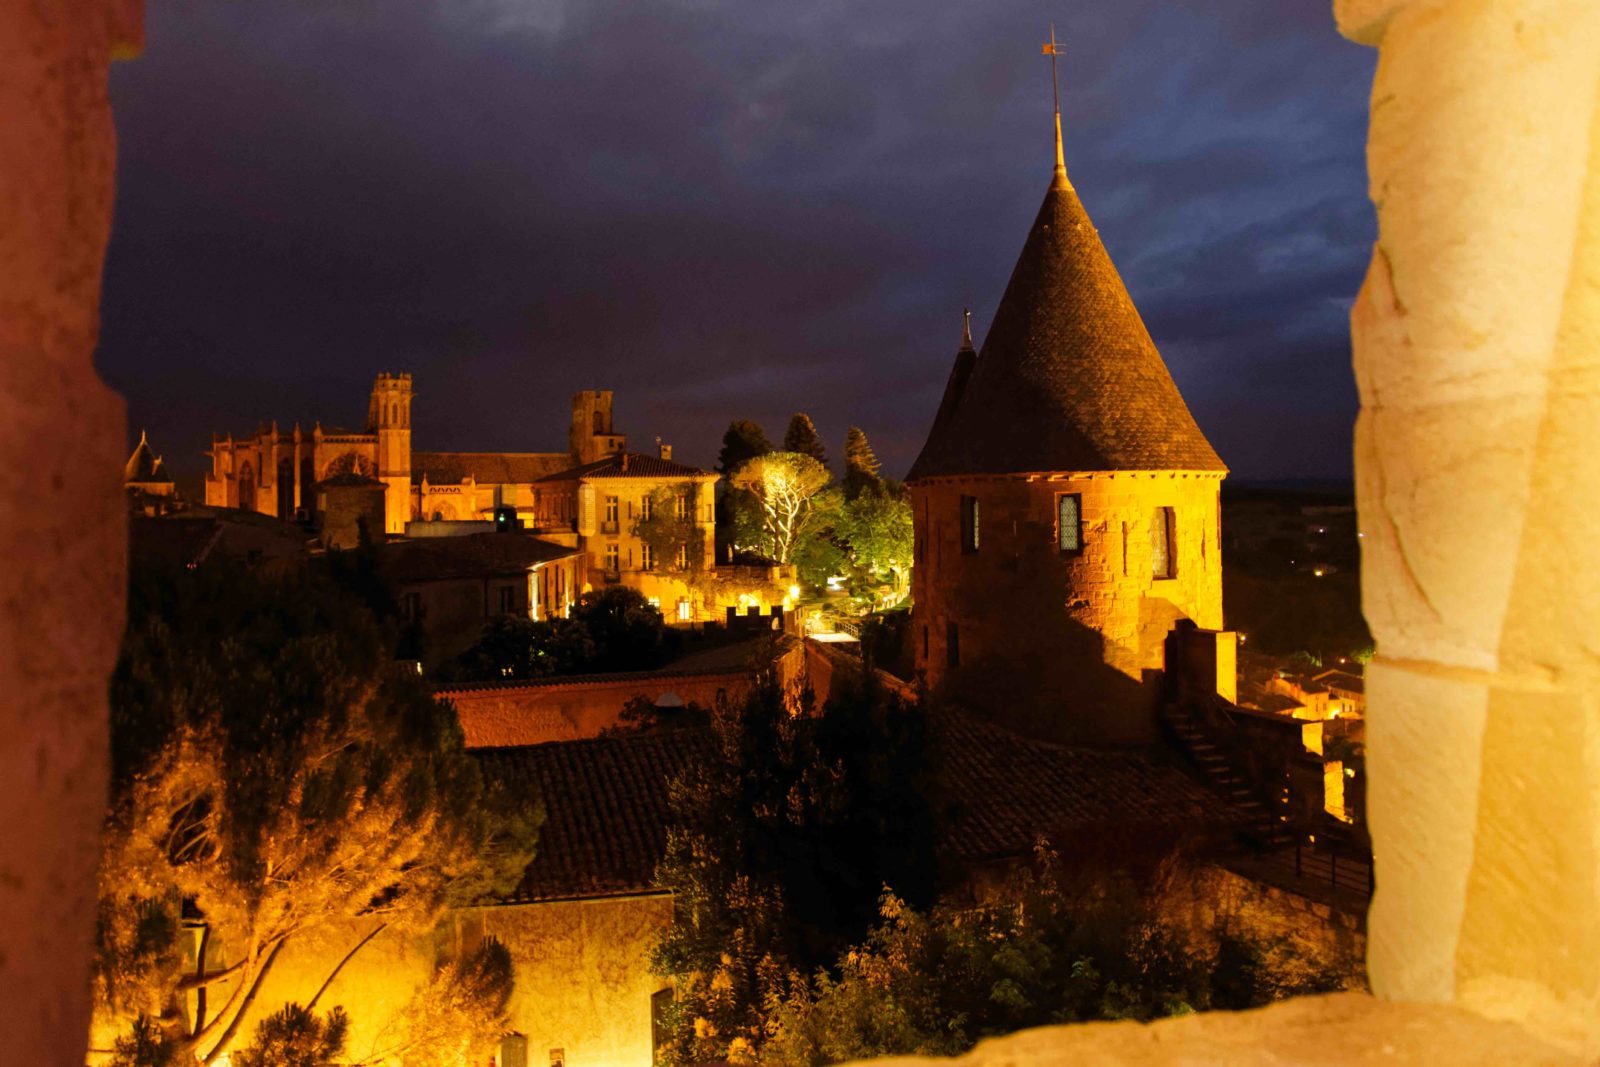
{"type": "Point", "coordinates": [1065, 504]}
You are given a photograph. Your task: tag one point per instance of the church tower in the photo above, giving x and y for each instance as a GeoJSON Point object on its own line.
{"type": "Point", "coordinates": [1065, 503]}
{"type": "Point", "coordinates": [389, 417]}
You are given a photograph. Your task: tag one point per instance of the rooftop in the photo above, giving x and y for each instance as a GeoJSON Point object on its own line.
{"type": "Point", "coordinates": [468, 556]}
{"type": "Point", "coordinates": [629, 465]}
{"type": "Point", "coordinates": [486, 468]}
{"type": "Point", "coordinates": [1068, 378]}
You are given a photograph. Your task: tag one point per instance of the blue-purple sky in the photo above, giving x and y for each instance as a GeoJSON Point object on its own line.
{"type": "Point", "coordinates": [719, 210]}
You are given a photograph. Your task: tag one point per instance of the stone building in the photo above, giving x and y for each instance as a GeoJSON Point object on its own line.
{"type": "Point", "coordinates": [150, 488]}
{"type": "Point", "coordinates": [277, 472]}
{"type": "Point", "coordinates": [1065, 504]}
{"type": "Point", "coordinates": [603, 503]}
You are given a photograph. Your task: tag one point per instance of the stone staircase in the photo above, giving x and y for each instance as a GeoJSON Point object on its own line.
{"type": "Point", "coordinates": [1217, 763]}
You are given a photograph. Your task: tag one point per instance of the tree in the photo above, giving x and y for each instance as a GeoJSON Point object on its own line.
{"type": "Point", "coordinates": [274, 773]}
{"type": "Point", "coordinates": [802, 437]}
{"type": "Point", "coordinates": [819, 553]}
{"type": "Point", "coordinates": [458, 1016]}
{"type": "Point", "coordinates": [783, 483]}
{"type": "Point", "coordinates": [628, 631]}
{"type": "Point", "coordinates": [295, 1037]}
{"type": "Point", "coordinates": [777, 849]}
{"type": "Point", "coordinates": [877, 528]}
{"type": "Point", "coordinates": [515, 647]}
{"type": "Point", "coordinates": [743, 441]}
{"type": "Point", "coordinates": [738, 513]}
{"type": "Point", "coordinates": [860, 464]}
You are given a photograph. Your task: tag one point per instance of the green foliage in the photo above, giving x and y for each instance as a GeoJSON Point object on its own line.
{"type": "Point", "coordinates": [295, 1037]}
{"type": "Point", "coordinates": [802, 437]}
{"type": "Point", "coordinates": [641, 715]}
{"type": "Point", "coordinates": [628, 631]}
{"type": "Point", "coordinates": [783, 483]}
{"type": "Point", "coordinates": [146, 1044]}
{"type": "Point", "coordinates": [876, 526]}
{"type": "Point", "coordinates": [935, 983]}
{"type": "Point", "coordinates": [739, 526]}
{"type": "Point", "coordinates": [778, 850]}
{"type": "Point", "coordinates": [818, 553]}
{"type": "Point", "coordinates": [611, 629]}
{"type": "Point", "coordinates": [458, 1016]}
{"type": "Point", "coordinates": [861, 464]}
{"type": "Point", "coordinates": [274, 770]}
{"type": "Point", "coordinates": [666, 532]}
{"type": "Point", "coordinates": [514, 647]}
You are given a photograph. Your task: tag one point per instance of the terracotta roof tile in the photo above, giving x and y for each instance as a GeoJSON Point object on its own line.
{"type": "Point", "coordinates": [1068, 378]}
{"type": "Point", "coordinates": [638, 465]}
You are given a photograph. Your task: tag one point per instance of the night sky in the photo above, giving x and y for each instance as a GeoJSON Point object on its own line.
{"type": "Point", "coordinates": [719, 210]}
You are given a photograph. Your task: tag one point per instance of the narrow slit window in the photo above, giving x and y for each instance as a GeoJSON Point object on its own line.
{"type": "Point", "coordinates": [969, 524]}
{"type": "Point", "coordinates": [1163, 544]}
{"type": "Point", "coordinates": [1069, 522]}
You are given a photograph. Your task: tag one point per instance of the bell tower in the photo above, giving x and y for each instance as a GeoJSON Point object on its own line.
{"type": "Point", "coordinates": [592, 436]}
{"type": "Point", "coordinates": [389, 418]}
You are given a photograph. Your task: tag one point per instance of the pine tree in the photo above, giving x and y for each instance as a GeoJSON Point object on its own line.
{"type": "Point", "coordinates": [743, 441]}
{"type": "Point", "coordinates": [860, 464]}
{"type": "Point", "coordinates": [802, 437]}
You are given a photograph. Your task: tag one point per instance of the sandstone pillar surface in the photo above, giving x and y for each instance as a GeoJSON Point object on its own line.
{"type": "Point", "coordinates": [62, 517]}
{"type": "Point", "coordinates": [1477, 355]}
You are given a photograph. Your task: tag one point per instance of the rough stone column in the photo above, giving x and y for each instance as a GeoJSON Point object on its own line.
{"type": "Point", "coordinates": [62, 518]}
{"type": "Point", "coordinates": [1477, 354]}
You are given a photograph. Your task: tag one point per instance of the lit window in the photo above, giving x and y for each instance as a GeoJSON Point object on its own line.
{"type": "Point", "coordinates": [611, 511]}
{"type": "Point", "coordinates": [1069, 522]}
{"type": "Point", "coordinates": [647, 507]}
{"type": "Point", "coordinates": [612, 558]}
{"type": "Point", "coordinates": [647, 557]}
{"type": "Point", "coordinates": [683, 557]}
{"type": "Point", "coordinates": [680, 505]}
{"type": "Point", "coordinates": [969, 524]}
{"type": "Point", "coordinates": [1163, 544]}
{"type": "Point", "coordinates": [683, 609]}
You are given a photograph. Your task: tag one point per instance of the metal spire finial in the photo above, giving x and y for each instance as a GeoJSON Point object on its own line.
{"type": "Point", "coordinates": [1052, 50]}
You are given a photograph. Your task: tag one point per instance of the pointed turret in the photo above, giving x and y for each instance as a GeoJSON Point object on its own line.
{"type": "Point", "coordinates": [1068, 378]}
{"type": "Point", "coordinates": [144, 466]}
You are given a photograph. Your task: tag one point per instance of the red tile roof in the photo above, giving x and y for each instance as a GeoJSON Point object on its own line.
{"type": "Point", "coordinates": [637, 465]}
{"type": "Point", "coordinates": [482, 555]}
{"type": "Point", "coordinates": [486, 468]}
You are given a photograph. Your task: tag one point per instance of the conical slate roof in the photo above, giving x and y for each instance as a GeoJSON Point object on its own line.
{"type": "Point", "coordinates": [144, 465]}
{"type": "Point", "coordinates": [1068, 378]}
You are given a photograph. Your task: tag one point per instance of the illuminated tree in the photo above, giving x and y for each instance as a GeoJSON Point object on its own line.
{"type": "Point", "coordinates": [783, 484]}
{"type": "Point", "coordinates": [275, 774]}
{"type": "Point", "coordinates": [860, 464]}
{"type": "Point", "coordinates": [295, 1037]}
{"type": "Point", "coordinates": [802, 437]}
{"type": "Point", "coordinates": [877, 528]}
{"type": "Point", "coordinates": [457, 1017]}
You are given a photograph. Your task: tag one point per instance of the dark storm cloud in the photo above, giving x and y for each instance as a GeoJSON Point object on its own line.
{"type": "Point", "coordinates": [718, 210]}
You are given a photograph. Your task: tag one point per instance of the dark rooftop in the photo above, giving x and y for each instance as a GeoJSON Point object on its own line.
{"type": "Point", "coordinates": [486, 468]}
{"type": "Point", "coordinates": [481, 555]}
{"type": "Point", "coordinates": [628, 465]}
{"type": "Point", "coordinates": [606, 800]}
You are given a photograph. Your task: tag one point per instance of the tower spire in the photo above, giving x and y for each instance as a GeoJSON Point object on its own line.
{"type": "Point", "coordinates": [966, 330]}
{"type": "Point", "coordinates": [1052, 50]}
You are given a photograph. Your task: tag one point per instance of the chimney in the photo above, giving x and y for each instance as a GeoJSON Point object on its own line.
{"type": "Point", "coordinates": [624, 462]}
{"type": "Point", "coordinates": [666, 451]}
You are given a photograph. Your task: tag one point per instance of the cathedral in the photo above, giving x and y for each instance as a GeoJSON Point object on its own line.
{"type": "Point", "coordinates": [1066, 506]}
{"type": "Point", "coordinates": [592, 496]}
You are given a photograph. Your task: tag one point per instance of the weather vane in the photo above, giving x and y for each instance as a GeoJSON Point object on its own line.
{"type": "Point", "coordinates": [1052, 50]}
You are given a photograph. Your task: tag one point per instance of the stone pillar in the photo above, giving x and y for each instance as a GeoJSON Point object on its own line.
{"type": "Point", "coordinates": [1477, 355]}
{"type": "Point", "coordinates": [62, 517]}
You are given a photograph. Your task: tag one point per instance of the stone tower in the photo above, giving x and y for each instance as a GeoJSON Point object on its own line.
{"type": "Point", "coordinates": [1065, 504]}
{"type": "Point", "coordinates": [389, 417]}
{"type": "Point", "coordinates": [591, 436]}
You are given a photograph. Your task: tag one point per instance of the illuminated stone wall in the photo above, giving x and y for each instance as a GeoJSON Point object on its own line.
{"type": "Point", "coordinates": [1058, 643]}
{"type": "Point", "coordinates": [63, 516]}
{"type": "Point", "coordinates": [1477, 355]}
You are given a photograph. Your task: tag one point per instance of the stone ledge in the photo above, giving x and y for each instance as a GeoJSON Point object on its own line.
{"type": "Point", "coordinates": [1338, 1030]}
